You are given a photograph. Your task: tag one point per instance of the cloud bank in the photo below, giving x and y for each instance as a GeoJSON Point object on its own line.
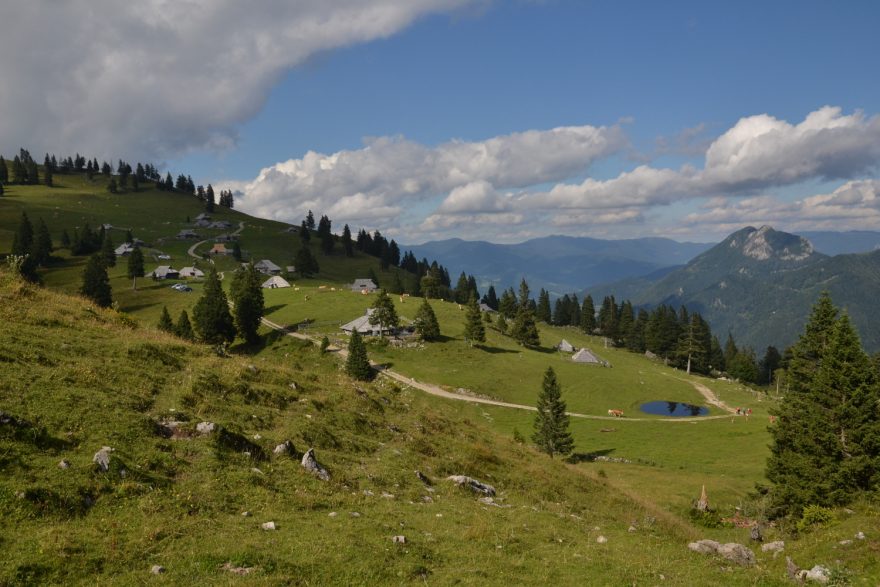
{"type": "Point", "coordinates": [497, 188]}
{"type": "Point", "coordinates": [157, 78]}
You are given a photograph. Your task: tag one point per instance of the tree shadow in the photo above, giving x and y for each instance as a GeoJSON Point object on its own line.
{"type": "Point", "coordinates": [588, 457]}
{"type": "Point", "coordinates": [496, 350]}
{"type": "Point", "coordinates": [275, 308]}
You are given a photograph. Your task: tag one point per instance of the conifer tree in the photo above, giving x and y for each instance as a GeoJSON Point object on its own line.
{"type": "Point", "coordinates": [507, 304]}
{"type": "Point", "coordinates": [491, 298]}
{"type": "Point", "coordinates": [305, 262]}
{"type": "Point", "coordinates": [542, 313]}
{"type": "Point", "coordinates": [588, 315]}
{"type": "Point", "coordinates": [347, 244]}
{"type": "Point", "coordinates": [165, 323]}
{"type": "Point", "coordinates": [135, 267]}
{"type": "Point", "coordinates": [23, 239]}
{"type": "Point", "coordinates": [357, 365]}
{"type": "Point", "coordinates": [310, 221]}
{"type": "Point", "coordinates": [304, 235]}
{"type": "Point", "coordinates": [384, 315]}
{"type": "Point", "coordinates": [551, 422]}
{"type": "Point", "coordinates": [249, 305]}
{"type": "Point", "coordinates": [42, 248]}
{"type": "Point", "coordinates": [4, 171]}
{"type": "Point", "coordinates": [425, 322]}
{"type": "Point", "coordinates": [474, 330]}
{"type": "Point", "coordinates": [65, 239]}
{"type": "Point", "coordinates": [396, 286]}
{"type": "Point", "coordinates": [807, 352]}
{"type": "Point", "coordinates": [825, 446]}
{"type": "Point", "coordinates": [47, 176]}
{"type": "Point", "coordinates": [211, 317]}
{"type": "Point", "coordinates": [501, 324]}
{"type": "Point", "coordinates": [95, 283]}
{"type": "Point", "coordinates": [462, 291]}
{"type": "Point", "coordinates": [108, 251]}
{"type": "Point", "coordinates": [524, 330]}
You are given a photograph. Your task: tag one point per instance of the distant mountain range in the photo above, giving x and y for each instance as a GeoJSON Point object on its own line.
{"type": "Point", "coordinates": [760, 284]}
{"type": "Point", "coordinates": [559, 264]}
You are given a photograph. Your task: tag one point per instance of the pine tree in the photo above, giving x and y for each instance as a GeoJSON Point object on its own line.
{"type": "Point", "coordinates": [501, 324]}
{"type": "Point", "coordinates": [209, 199]}
{"type": "Point", "coordinates": [384, 315]}
{"type": "Point", "coordinates": [248, 305]}
{"type": "Point", "coordinates": [543, 312]}
{"type": "Point", "coordinates": [825, 446]}
{"type": "Point", "coordinates": [588, 315]}
{"type": "Point", "coordinates": [310, 221]}
{"type": "Point", "coordinates": [23, 239]}
{"type": "Point", "coordinates": [135, 267]}
{"type": "Point", "coordinates": [42, 249]}
{"type": "Point", "coordinates": [211, 316]}
{"type": "Point", "coordinates": [305, 262]}
{"type": "Point", "coordinates": [4, 171]}
{"type": "Point", "coordinates": [165, 323]}
{"type": "Point", "coordinates": [551, 422]}
{"type": "Point", "coordinates": [47, 176]}
{"type": "Point", "coordinates": [524, 330]}
{"type": "Point", "coordinates": [807, 352]}
{"type": "Point", "coordinates": [462, 292]}
{"type": "Point", "coordinates": [95, 283]}
{"type": "Point", "coordinates": [474, 330]}
{"type": "Point", "coordinates": [425, 323]}
{"type": "Point", "coordinates": [396, 286]}
{"type": "Point", "coordinates": [491, 298]}
{"type": "Point", "coordinates": [65, 239]}
{"type": "Point", "coordinates": [347, 244]}
{"type": "Point", "coordinates": [108, 251]}
{"type": "Point", "coordinates": [357, 365]}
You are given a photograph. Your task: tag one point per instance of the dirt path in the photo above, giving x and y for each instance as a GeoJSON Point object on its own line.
{"type": "Point", "coordinates": [438, 391]}
{"type": "Point", "coordinates": [707, 394]}
{"type": "Point", "coordinates": [192, 250]}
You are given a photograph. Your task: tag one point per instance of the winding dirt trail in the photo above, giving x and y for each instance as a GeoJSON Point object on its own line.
{"type": "Point", "coordinates": [438, 391]}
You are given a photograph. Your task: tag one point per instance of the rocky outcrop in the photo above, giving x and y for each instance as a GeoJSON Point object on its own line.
{"type": "Point", "coordinates": [102, 459]}
{"type": "Point", "coordinates": [472, 484]}
{"type": "Point", "coordinates": [311, 464]}
{"type": "Point", "coordinates": [732, 551]}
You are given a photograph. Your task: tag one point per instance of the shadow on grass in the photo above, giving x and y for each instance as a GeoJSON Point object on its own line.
{"type": "Point", "coordinates": [496, 350]}
{"type": "Point", "coordinates": [275, 308]}
{"type": "Point", "coordinates": [588, 457]}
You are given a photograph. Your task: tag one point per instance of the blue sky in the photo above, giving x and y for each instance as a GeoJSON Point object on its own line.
{"type": "Point", "coordinates": [409, 115]}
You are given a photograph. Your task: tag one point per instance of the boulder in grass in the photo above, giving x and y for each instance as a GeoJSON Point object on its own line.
{"type": "Point", "coordinates": [704, 546]}
{"type": "Point", "coordinates": [311, 464]}
{"type": "Point", "coordinates": [732, 551]}
{"type": "Point", "coordinates": [268, 525]}
{"type": "Point", "coordinates": [399, 539]}
{"type": "Point", "coordinates": [777, 546]}
{"type": "Point", "coordinates": [817, 574]}
{"type": "Point", "coordinates": [472, 484]}
{"type": "Point", "coordinates": [205, 427]}
{"type": "Point", "coordinates": [157, 569]}
{"type": "Point", "coordinates": [285, 448]}
{"type": "Point", "coordinates": [102, 458]}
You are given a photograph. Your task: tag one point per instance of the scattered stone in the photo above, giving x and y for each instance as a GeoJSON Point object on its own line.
{"type": "Point", "coordinates": [703, 502]}
{"type": "Point", "coordinates": [205, 427]}
{"type": "Point", "coordinates": [311, 464]}
{"type": "Point", "coordinates": [257, 471]}
{"type": "Point", "coordinates": [246, 514]}
{"type": "Point", "coordinates": [237, 570]}
{"type": "Point", "coordinates": [285, 448]}
{"type": "Point", "coordinates": [601, 540]}
{"type": "Point", "coordinates": [258, 436]}
{"type": "Point", "coordinates": [704, 546]}
{"type": "Point", "coordinates": [487, 501]}
{"type": "Point", "coordinates": [268, 525]}
{"type": "Point", "coordinates": [399, 539]}
{"type": "Point", "coordinates": [423, 478]}
{"type": "Point", "coordinates": [860, 535]}
{"type": "Point", "coordinates": [731, 551]}
{"type": "Point", "coordinates": [737, 553]}
{"type": "Point", "coordinates": [845, 542]}
{"type": "Point", "coordinates": [332, 514]}
{"type": "Point", "coordinates": [607, 430]}
{"type": "Point", "coordinates": [632, 529]}
{"type": "Point", "coordinates": [157, 569]}
{"type": "Point", "coordinates": [472, 484]}
{"type": "Point", "coordinates": [355, 514]}
{"type": "Point", "coordinates": [387, 495]}
{"type": "Point", "coordinates": [777, 546]}
{"type": "Point", "coordinates": [756, 534]}
{"type": "Point", "coordinates": [102, 458]}
{"type": "Point", "coordinates": [792, 569]}
{"type": "Point", "coordinates": [819, 574]}
{"type": "Point", "coordinates": [64, 464]}
{"type": "Point", "coordinates": [292, 385]}
{"type": "Point", "coordinates": [427, 499]}
{"type": "Point", "coordinates": [368, 493]}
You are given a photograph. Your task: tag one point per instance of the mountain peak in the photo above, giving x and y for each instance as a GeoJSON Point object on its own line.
{"type": "Point", "coordinates": [765, 243]}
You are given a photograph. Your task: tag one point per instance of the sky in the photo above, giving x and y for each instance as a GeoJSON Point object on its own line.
{"type": "Point", "coordinates": [476, 119]}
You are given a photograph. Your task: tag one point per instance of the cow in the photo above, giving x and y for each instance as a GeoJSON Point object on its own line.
{"type": "Point", "coordinates": [616, 413]}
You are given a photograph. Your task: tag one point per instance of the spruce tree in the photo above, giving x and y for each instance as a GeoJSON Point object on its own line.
{"type": "Point", "coordinates": [807, 352]}
{"type": "Point", "coordinates": [108, 250]}
{"type": "Point", "coordinates": [347, 244]}
{"type": "Point", "coordinates": [825, 446]}
{"type": "Point", "coordinates": [542, 314]}
{"type": "Point", "coordinates": [211, 317]}
{"type": "Point", "coordinates": [305, 263]}
{"type": "Point", "coordinates": [249, 305]}
{"type": "Point", "coordinates": [384, 314]}
{"type": "Point", "coordinates": [4, 171]}
{"type": "Point", "coordinates": [491, 298]}
{"type": "Point", "coordinates": [42, 248]}
{"type": "Point", "coordinates": [183, 328]}
{"type": "Point", "coordinates": [95, 283]}
{"type": "Point", "coordinates": [65, 239]}
{"type": "Point", "coordinates": [135, 267]}
{"type": "Point", "coordinates": [23, 239]}
{"type": "Point", "coordinates": [165, 323]}
{"type": "Point", "coordinates": [357, 365]}
{"type": "Point", "coordinates": [474, 330]}
{"type": "Point", "coordinates": [551, 422]}
{"type": "Point", "coordinates": [588, 316]}
{"type": "Point", "coordinates": [501, 324]}
{"type": "Point", "coordinates": [425, 323]}
{"type": "Point", "coordinates": [236, 251]}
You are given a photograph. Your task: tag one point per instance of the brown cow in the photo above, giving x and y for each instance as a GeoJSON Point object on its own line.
{"type": "Point", "coordinates": [616, 413]}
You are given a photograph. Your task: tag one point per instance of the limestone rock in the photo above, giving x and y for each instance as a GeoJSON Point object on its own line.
{"type": "Point", "coordinates": [737, 553]}
{"type": "Point", "coordinates": [601, 540]}
{"type": "Point", "coordinates": [399, 539]}
{"type": "Point", "coordinates": [237, 570]}
{"type": "Point", "coordinates": [268, 525]}
{"type": "Point", "coordinates": [703, 502]}
{"type": "Point", "coordinates": [704, 546]}
{"type": "Point", "coordinates": [860, 536]}
{"type": "Point", "coordinates": [845, 542]}
{"type": "Point", "coordinates": [64, 464]}
{"type": "Point", "coordinates": [792, 569]}
{"type": "Point", "coordinates": [285, 448]}
{"type": "Point", "coordinates": [245, 514]}
{"type": "Point", "coordinates": [818, 574]}
{"type": "Point", "coordinates": [632, 529]}
{"type": "Point", "coordinates": [157, 569]}
{"type": "Point", "coordinates": [311, 464]}
{"type": "Point", "coordinates": [102, 458]}
{"type": "Point", "coordinates": [332, 514]}
{"type": "Point", "coordinates": [756, 534]}
{"type": "Point", "coordinates": [205, 427]}
{"type": "Point", "coordinates": [777, 546]}
{"type": "Point", "coordinates": [472, 484]}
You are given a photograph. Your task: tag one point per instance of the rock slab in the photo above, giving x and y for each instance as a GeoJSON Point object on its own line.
{"type": "Point", "coordinates": [732, 551]}
{"type": "Point", "coordinates": [102, 458]}
{"type": "Point", "coordinates": [311, 464]}
{"type": "Point", "coordinates": [472, 484]}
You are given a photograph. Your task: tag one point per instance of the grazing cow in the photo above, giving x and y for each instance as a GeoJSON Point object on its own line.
{"type": "Point", "coordinates": [616, 413]}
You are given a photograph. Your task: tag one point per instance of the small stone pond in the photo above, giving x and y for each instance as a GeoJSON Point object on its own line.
{"type": "Point", "coordinates": [676, 409]}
